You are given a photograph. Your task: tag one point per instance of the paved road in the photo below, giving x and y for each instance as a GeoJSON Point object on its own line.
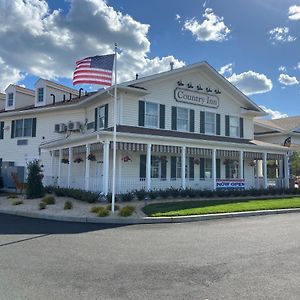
{"type": "Point", "coordinates": [249, 258]}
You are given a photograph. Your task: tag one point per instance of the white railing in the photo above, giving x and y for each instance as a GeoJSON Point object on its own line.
{"type": "Point", "coordinates": [276, 182]}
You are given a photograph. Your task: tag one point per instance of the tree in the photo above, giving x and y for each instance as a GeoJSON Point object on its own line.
{"type": "Point", "coordinates": [35, 188]}
{"type": "Point", "coordinates": [295, 164]}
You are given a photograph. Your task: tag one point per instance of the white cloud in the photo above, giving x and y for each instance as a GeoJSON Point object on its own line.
{"type": "Point", "coordinates": [294, 12]}
{"type": "Point", "coordinates": [281, 34]}
{"type": "Point", "coordinates": [287, 80]}
{"type": "Point", "coordinates": [251, 82]}
{"type": "Point", "coordinates": [274, 114]}
{"type": "Point", "coordinates": [8, 75]}
{"type": "Point", "coordinates": [177, 17]}
{"type": "Point", "coordinates": [50, 42]}
{"type": "Point", "coordinates": [211, 29]}
{"type": "Point", "coordinates": [297, 66]}
{"type": "Point", "coordinates": [282, 69]}
{"type": "Point", "coordinates": [226, 70]}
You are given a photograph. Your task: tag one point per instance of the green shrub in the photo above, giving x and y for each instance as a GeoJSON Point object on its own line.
{"type": "Point", "coordinates": [102, 212]}
{"type": "Point", "coordinates": [17, 202]}
{"type": "Point", "coordinates": [153, 194]}
{"type": "Point", "coordinates": [140, 194]}
{"type": "Point", "coordinates": [126, 211]}
{"type": "Point", "coordinates": [49, 200]}
{"type": "Point", "coordinates": [164, 193]}
{"type": "Point", "coordinates": [95, 209]}
{"type": "Point", "coordinates": [108, 207]}
{"type": "Point", "coordinates": [68, 205]}
{"type": "Point", "coordinates": [174, 192]}
{"type": "Point", "coordinates": [35, 187]}
{"type": "Point", "coordinates": [127, 197]}
{"type": "Point", "coordinates": [42, 205]}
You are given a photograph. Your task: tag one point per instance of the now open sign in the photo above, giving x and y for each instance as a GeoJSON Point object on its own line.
{"type": "Point", "coordinates": [230, 184]}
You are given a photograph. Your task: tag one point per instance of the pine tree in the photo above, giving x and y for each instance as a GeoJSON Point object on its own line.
{"type": "Point", "coordinates": [35, 188]}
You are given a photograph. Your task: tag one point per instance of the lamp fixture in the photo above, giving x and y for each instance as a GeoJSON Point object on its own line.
{"type": "Point", "coordinates": [190, 85]}
{"type": "Point", "coordinates": [180, 83]}
{"type": "Point", "coordinates": [209, 90]}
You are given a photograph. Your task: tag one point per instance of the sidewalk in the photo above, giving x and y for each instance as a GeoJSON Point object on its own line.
{"type": "Point", "coordinates": [81, 212]}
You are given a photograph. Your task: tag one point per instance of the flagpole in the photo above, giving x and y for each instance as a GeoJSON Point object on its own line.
{"type": "Point", "coordinates": [114, 138]}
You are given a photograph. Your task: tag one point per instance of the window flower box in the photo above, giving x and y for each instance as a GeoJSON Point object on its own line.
{"type": "Point", "coordinates": [64, 161]}
{"type": "Point", "coordinates": [78, 160]}
{"type": "Point", "coordinates": [92, 157]}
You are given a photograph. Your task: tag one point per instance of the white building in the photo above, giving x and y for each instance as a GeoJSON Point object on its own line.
{"type": "Point", "coordinates": [191, 117]}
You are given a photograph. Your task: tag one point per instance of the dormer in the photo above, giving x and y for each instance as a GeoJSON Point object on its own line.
{"type": "Point", "coordinates": [2, 101]}
{"type": "Point", "coordinates": [49, 93]}
{"type": "Point", "coordinates": [18, 97]}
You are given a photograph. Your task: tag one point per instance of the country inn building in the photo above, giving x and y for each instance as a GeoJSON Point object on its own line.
{"type": "Point", "coordinates": [187, 127]}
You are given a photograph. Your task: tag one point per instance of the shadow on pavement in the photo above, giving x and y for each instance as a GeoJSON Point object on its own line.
{"type": "Point", "coordinates": [10, 224]}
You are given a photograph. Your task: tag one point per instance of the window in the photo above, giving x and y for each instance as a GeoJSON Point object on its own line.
{"type": "Point", "coordinates": [23, 128]}
{"type": "Point", "coordinates": [101, 117]}
{"type": "Point", "coordinates": [210, 123]}
{"type": "Point", "coordinates": [234, 169]}
{"type": "Point", "coordinates": [182, 119]}
{"type": "Point", "coordinates": [155, 167]}
{"type": "Point", "coordinates": [40, 94]}
{"type": "Point", "coordinates": [10, 101]}
{"type": "Point", "coordinates": [208, 168]}
{"type": "Point", "coordinates": [151, 114]}
{"type": "Point", "coordinates": [234, 126]}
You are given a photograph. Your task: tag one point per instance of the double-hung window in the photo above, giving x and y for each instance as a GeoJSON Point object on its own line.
{"type": "Point", "coordinates": [101, 117]}
{"type": "Point", "coordinates": [23, 128]}
{"type": "Point", "coordinates": [234, 126]}
{"type": "Point", "coordinates": [40, 95]}
{"type": "Point", "coordinates": [151, 114]}
{"type": "Point", "coordinates": [10, 100]}
{"type": "Point", "coordinates": [182, 119]}
{"type": "Point", "coordinates": [208, 168]}
{"type": "Point", "coordinates": [155, 167]}
{"type": "Point", "coordinates": [210, 123]}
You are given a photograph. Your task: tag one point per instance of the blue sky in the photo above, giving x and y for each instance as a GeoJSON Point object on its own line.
{"type": "Point", "coordinates": [255, 44]}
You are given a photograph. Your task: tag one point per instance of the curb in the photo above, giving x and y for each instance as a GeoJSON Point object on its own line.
{"type": "Point", "coordinates": [150, 220]}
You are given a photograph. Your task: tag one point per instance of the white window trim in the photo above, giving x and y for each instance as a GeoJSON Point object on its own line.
{"type": "Point", "coordinates": [215, 123]}
{"type": "Point", "coordinates": [98, 120]}
{"type": "Point", "coordinates": [23, 128]}
{"type": "Point", "coordinates": [238, 122]}
{"type": "Point", "coordinates": [158, 115]}
{"type": "Point", "coordinates": [38, 95]}
{"type": "Point", "coordinates": [188, 119]}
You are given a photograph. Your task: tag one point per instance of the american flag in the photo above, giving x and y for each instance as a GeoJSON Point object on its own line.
{"type": "Point", "coordinates": [94, 70]}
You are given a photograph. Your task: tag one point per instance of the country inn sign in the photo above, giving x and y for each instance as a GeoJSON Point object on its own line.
{"type": "Point", "coordinates": [196, 97]}
{"type": "Point", "coordinates": [169, 134]}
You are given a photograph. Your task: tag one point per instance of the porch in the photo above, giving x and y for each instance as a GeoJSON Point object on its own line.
{"type": "Point", "coordinates": [152, 166]}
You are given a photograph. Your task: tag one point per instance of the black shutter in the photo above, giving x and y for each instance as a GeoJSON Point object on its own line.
{"type": "Point", "coordinates": [141, 113]}
{"type": "Point", "coordinates": [202, 122]}
{"type": "Point", "coordinates": [174, 118]}
{"type": "Point", "coordinates": [33, 127]}
{"type": "Point", "coordinates": [227, 171]}
{"type": "Point", "coordinates": [191, 168]}
{"type": "Point", "coordinates": [96, 119]}
{"type": "Point", "coordinates": [162, 112]}
{"type": "Point", "coordinates": [218, 124]}
{"type": "Point", "coordinates": [173, 167]}
{"type": "Point", "coordinates": [241, 127]}
{"type": "Point", "coordinates": [192, 120]}
{"type": "Point", "coordinates": [163, 169]}
{"type": "Point", "coordinates": [106, 116]}
{"type": "Point", "coordinates": [227, 133]}
{"type": "Point", "coordinates": [218, 167]}
{"type": "Point", "coordinates": [12, 133]}
{"type": "Point", "coordinates": [1, 130]}
{"type": "Point", "coordinates": [202, 168]}
{"type": "Point", "coordinates": [142, 166]}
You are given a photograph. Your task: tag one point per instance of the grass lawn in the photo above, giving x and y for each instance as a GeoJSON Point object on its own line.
{"type": "Point", "coordinates": [187, 208]}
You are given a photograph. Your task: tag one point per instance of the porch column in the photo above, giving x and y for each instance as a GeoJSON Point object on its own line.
{"type": "Point", "coordinates": [241, 165]}
{"type": "Point", "coordinates": [214, 168]}
{"type": "Point", "coordinates": [105, 167]}
{"type": "Point", "coordinates": [183, 162]}
{"type": "Point", "coordinates": [265, 173]}
{"type": "Point", "coordinates": [286, 171]}
{"type": "Point", "coordinates": [257, 185]}
{"type": "Point", "coordinates": [148, 167]}
{"type": "Point", "coordinates": [52, 167]}
{"type": "Point", "coordinates": [59, 167]}
{"type": "Point", "coordinates": [87, 167]}
{"type": "Point", "coordinates": [70, 166]}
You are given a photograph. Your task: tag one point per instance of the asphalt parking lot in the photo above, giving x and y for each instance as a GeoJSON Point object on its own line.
{"type": "Point", "coordinates": [246, 258]}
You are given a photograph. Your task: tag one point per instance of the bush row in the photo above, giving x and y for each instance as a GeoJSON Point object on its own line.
{"type": "Point", "coordinates": [78, 194]}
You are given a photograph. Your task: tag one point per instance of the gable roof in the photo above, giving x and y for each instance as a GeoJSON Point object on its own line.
{"type": "Point", "coordinates": [288, 124]}
{"type": "Point", "coordinates": [247, 103]}
{"type": "Point", "coordinates": [57, 85]}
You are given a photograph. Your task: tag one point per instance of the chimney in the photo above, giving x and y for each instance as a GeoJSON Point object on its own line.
{"type": "Point", "coordinates": [171, 65]}
{"type": "Point", "coordinates": [136, 76]}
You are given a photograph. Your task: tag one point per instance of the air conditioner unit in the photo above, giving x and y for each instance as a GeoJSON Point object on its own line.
{"type": "Point", "coordinates": [74, 126]}
{"type": "Point", "coordinates": [62, 127]}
